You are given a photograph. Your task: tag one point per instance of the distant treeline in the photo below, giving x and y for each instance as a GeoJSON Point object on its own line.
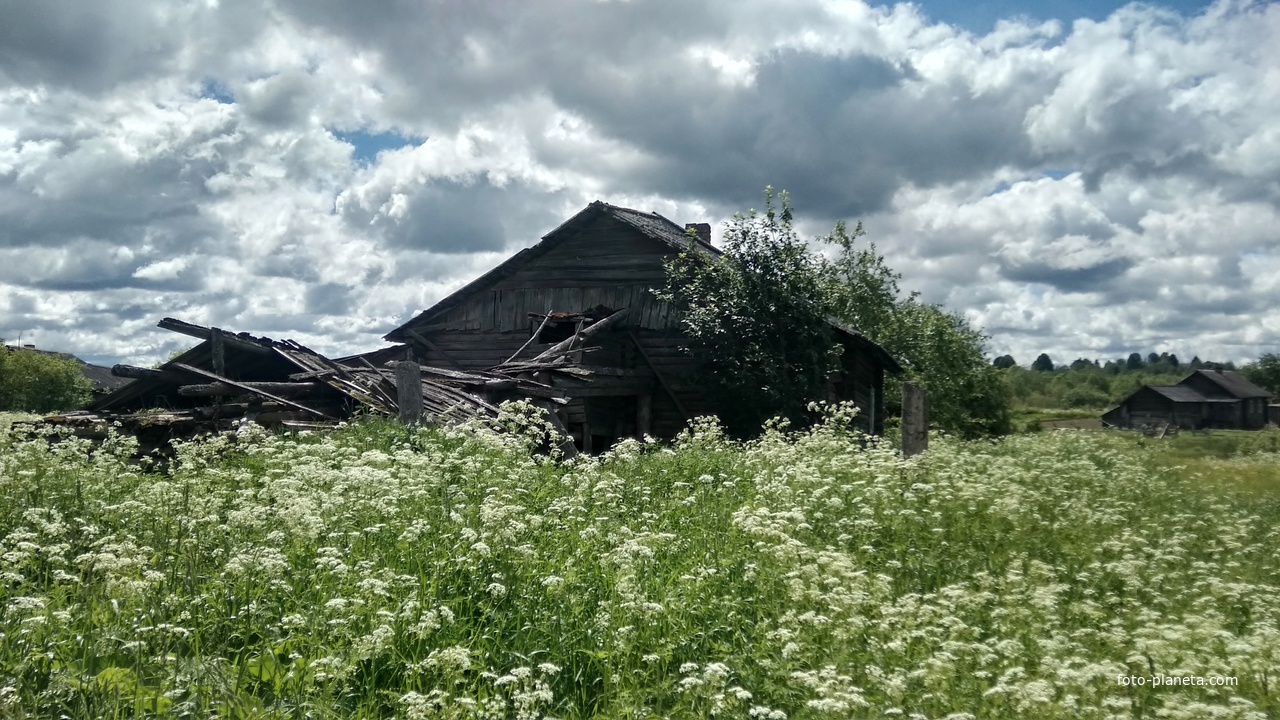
{"type": "Point", "coordinates": [1098, 384]}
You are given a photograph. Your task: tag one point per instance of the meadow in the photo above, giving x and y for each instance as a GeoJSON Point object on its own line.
{"type": "Point", "coordinates": [382, 571]}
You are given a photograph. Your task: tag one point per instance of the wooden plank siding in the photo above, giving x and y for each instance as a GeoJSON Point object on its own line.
{"type": "Point", "coordinates": [860, 373]}
{"type": "Point", "coordinates": [508, 309]}
{"type": "Point", "coordinates": [608, 263]}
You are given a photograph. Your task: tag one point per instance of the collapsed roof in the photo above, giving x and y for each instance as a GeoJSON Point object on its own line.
{"type": "Point", "coordinates": [229, 377]}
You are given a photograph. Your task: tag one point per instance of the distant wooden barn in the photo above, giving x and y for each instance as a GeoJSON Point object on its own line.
{"type": "Point", "coordinates": [1204, 399]}
{"type": "Point", "coordinates": [603, 259]}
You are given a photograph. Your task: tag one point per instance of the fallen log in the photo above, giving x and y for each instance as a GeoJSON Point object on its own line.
{"type": "Point", "coordinates": [205, 373]}
{"type": "Point", "coordinates": [245, 388]}
{"type": "Point", "coordinates": [141, 373]}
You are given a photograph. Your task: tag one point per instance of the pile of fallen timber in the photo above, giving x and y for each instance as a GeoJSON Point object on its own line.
{"type": "Point", "coordinates": [229, 378]}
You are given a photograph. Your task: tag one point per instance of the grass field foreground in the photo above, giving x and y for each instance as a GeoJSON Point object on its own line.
{"type": "Point", "coordinates": [378, 571]}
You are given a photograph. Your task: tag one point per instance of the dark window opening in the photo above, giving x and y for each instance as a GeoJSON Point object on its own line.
{"type": "Point", "coordinates": [554, 332]}
{"type": "Point", "coordinates": [561, 326]}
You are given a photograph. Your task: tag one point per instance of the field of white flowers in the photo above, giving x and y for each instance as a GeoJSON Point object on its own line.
{"type": "Point", "coordinates": [380, 571]}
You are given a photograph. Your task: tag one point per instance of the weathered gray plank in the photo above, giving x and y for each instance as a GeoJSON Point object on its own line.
{"type": "Point", "coordinates": [217, 350]}
{"type": "Point", "coordinates": [409, 391]}
{"type": "Point", "coordinates": [915, 419]}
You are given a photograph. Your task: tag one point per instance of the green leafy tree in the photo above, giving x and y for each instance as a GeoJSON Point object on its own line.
{"type": "Point", "coordinates": [40, 382]}
{"type": "Point", "coordinates": [758, 315]}
{"type": "Point", "coordinates": [967, 395]}
{"type": "Point", "coordinates": [1004, 362]}
{"type": "Point", "coordinates": [1264, 372]}
{"type": "Point", "coordinates": [1135, 362]}
{"type": "Point", "coordinates": [1084, 396]}
{"type": "Point", "coordinates": [1043, 363]}
{"type": "Point", "coordinates": [938, 349]}
{"type": "Point", "coordinates": [866, 293]}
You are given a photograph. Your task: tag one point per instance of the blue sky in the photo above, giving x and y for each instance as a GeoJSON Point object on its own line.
{"type": "Point", "coordinates": [324, 170]}
{"type": "Point", "coordinates": [367, 144]}
{"type": "Point", "coordinates": [981, 16]}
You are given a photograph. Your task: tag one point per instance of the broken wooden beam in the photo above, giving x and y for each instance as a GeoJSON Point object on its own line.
{"type": "Point", "coordinates": [566, 345]}
{"type": "Point", "coordinates": [141, 373]}
{"type": "Point", "coordinates": [531, 339]}
{"type": "Point", "coordinates": [567, 448]}
{"type": "Point", "coordinates": [434, 348]}
{"type": "Point", "coordinates": [671, 393]}
{"type": "Point", "coordinates": [212, 376]}
{"type": "Point", "coordinates": [312, 374]}
{"type": "Point", "coordinates": [204, 333]}
{"type": "Point", "coordinates": [223, 389]}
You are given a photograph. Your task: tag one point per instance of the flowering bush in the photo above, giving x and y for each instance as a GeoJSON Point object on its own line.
{"type": "Point", "coordinates": [445, 573]}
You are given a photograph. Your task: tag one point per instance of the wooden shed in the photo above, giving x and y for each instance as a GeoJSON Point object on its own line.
{"type": "Point", "coordinates": [1204, 399]}
{"type": "Point", "coordinates": [605, 259]}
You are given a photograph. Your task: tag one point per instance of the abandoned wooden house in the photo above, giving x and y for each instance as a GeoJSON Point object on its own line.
{"type": "Point", "coordinates": [605, 260]}
{"type": "Point", "coordinates": [1218, 399]}
{"type": "Point", "coordinates": [571, 324]}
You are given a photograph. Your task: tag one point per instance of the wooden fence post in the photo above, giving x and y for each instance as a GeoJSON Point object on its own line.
{"type": "Point", "coordinates": [915, 420]}
{"type": "Point", "coordinates": [409, 391]}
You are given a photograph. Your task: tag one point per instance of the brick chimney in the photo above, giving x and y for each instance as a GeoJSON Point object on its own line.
{"type": "Point", "coordinates": [703, 231]}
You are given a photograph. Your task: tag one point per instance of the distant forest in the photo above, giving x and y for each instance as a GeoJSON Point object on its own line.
{"type": "Point", "coordinates": [1098, 384]}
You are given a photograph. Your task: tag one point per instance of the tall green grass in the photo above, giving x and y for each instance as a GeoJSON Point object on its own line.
{"type": "Point", "coordinates": [379, 571]}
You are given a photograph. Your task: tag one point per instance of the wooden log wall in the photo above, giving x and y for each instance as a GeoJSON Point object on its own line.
{"type": "Point", "coordinates": [508, 310]}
